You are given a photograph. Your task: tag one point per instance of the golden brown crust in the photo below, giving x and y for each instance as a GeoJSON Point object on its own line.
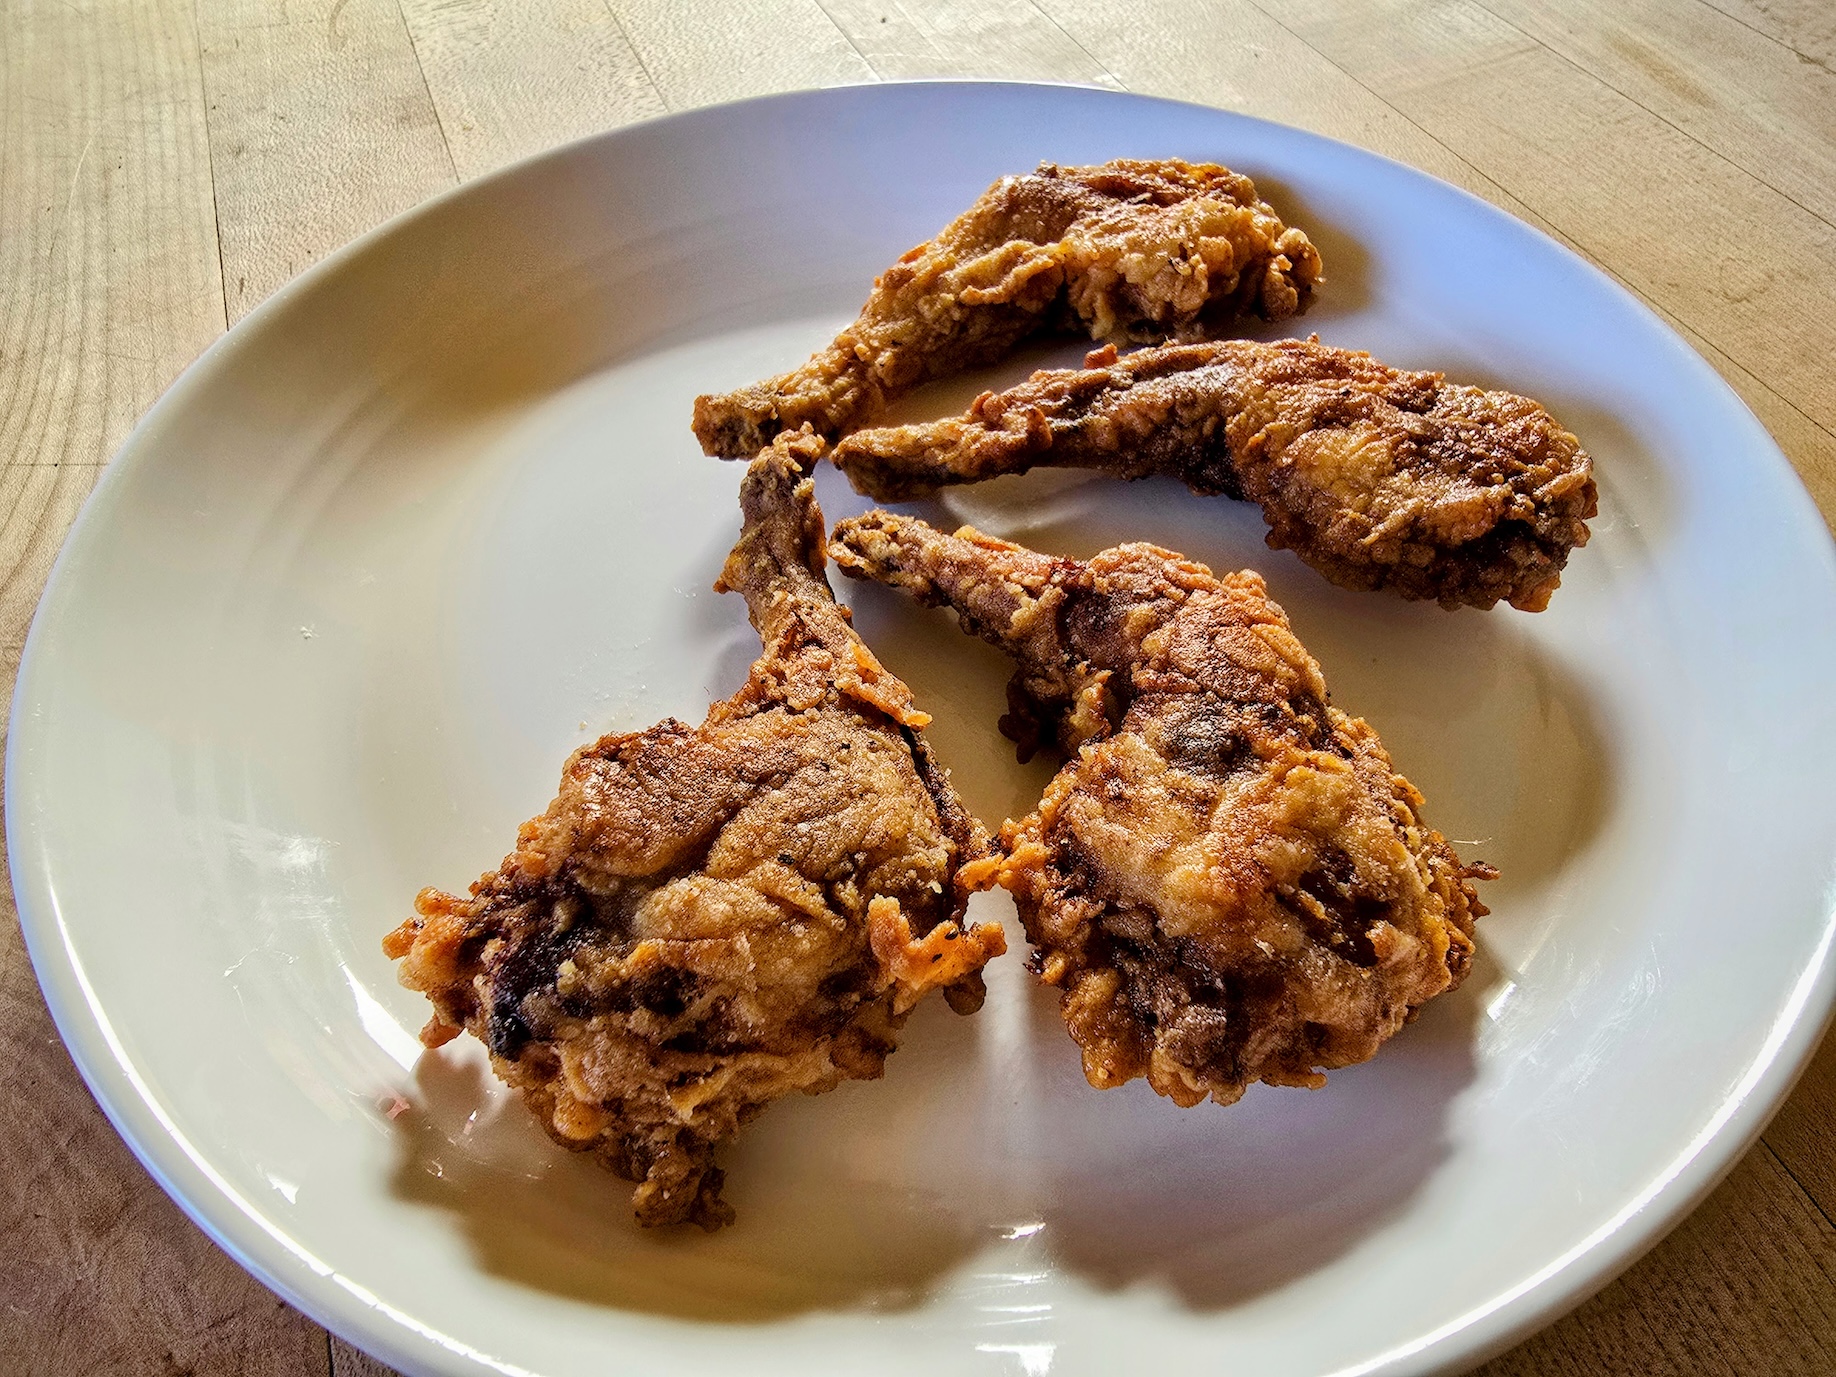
{"type": "Point", "coordinates": [1377, 477]}
{"type": "Point", "coordinates": [1228, 880]}
{"type": "Point", "coordinates": [1126, 250]}
{"type": "Point", "coordinates": [707, 919]}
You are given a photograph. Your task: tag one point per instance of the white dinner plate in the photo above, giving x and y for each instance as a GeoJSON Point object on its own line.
{"type": "Point", "coordinates": [433, 516]}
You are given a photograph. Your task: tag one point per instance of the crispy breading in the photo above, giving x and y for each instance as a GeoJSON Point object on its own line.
{"type": "Point", "coordinates": [1128, 250]}
{"type": "Point", "coordinates": [708, 918]}
{"type": "Point", "coordinates": [1228, 880]}
{"type": "Point", "coordinates": [1378, 477]}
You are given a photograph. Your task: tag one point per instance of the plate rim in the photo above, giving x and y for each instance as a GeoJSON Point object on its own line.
{"type": "Point", "coordinates": [347, 1309]}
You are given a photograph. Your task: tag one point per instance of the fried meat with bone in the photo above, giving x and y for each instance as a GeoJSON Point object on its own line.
{"type": "Point", "coordinates": [1127, 250]}
{"type": "Point", "coordinates": [708, 918]}
{"type": "Point", "coordinates": [1377, 477]}
{"type": "Point", "coordinates": [1228, 881]}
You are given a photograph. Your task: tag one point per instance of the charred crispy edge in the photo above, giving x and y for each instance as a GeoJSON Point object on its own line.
{"type": "Point", "coordinates": [737, 424]}
{"type": "Point", "coordinates": [1465, 908]}
{"type": "Point", "coordinates": [440, 946]}
{"type": "Point", "coordinates": [962, 827]}
{"type": "Point", "coordinates": [732, 426]}
{"type": "Point", "coordinates": [709, 1212]}
{"type": "Point", "coordinates": [974, 849]}
{"type": "Point", "coordinates": [1523, 568]}
{"type": "Point", "coordinates": [633, 1157]}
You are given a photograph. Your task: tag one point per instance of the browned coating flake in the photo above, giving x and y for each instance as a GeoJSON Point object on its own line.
{"type": "Point", "coordinates": [1227, 880]}
{"type": "Point", "coordinates": [1376, 476]}
{"type": "Point", "coordinates": [707, 919]}
{"type": "Point", "coordinates": [1128, 250]}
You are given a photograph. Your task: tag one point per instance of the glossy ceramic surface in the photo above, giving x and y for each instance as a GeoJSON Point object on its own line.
{"type": "Point", "coordinates": [433, 516]}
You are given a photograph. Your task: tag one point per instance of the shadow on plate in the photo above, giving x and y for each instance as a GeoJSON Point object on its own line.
{"type": "Point", "coordinates": [1635, 489]}
{"type": "Point", "coordinates": [1219, 1205]}
{"type": "Point", "coordinates": [870, 1198]}
{"type": "Point", "coordinates": [540, 1217]}
{"type": "Point", "coordinates": [1343, 257]}
{"type": "Point", "coordinates": [984, 1132]}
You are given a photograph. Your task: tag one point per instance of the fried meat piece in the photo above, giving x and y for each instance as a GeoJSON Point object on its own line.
{"type": "Point", "coordinates": [1228, 880]}
{"type": "Point", "coordinates": [1127, 250]}
{"type": "Point", "coordinates": [707, 919]}
{"type": "Point", "coordinates": [1377, 477]}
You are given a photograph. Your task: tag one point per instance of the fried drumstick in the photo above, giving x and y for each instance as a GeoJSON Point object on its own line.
{"type": "Point", "coordinates": [1129, 250]}
{"type": "Point", "coordinates": [1376, 476]}
{"type": "Point", "coordinates": [707, 919]}
{"type": "Point", "coordinates": [1228, 881]}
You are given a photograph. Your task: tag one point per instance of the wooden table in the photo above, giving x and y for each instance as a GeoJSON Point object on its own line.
{"type": "Point", "coordinates": [166, 164]}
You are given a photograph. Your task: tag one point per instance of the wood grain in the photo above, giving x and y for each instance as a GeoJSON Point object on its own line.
{"type": "Point", "coordinates": [163, 168]}
{"type": "Point", "coordinates": [1807, 27]}
{"type": "Point", "coordinates": [1013, 39]}
{"type": "Point", "coordinates": [699, 52]}
{"type": "Point", "coordinates": [1730, 87]}
{"type": "Point", "coordinates": [510, 79]}
{"type": "Point", "coordinates": [1810, 447]}
{"type": "Point", "coordinates": [99, 1271]}
{"type": "Point", "coordinates": [108, 260]}
{"type": "Point", "coordinates": [1765, 1303]}
{"type": "Point", "coordinates": [1668, 215]}
{"type": "Point", "coordinates": [1240, 58]}
{"type": "Point", "coordinates": [320, 128]}
{"type": "Point", "coordinates": [109, 286]}
{"type": "Point", "coordinates": [1803, 1136]}
{"type": "Point", "coordinates": [347, 1361]}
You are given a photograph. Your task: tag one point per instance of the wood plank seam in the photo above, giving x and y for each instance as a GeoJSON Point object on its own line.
{"type": "Point", "coordinates": [1783, 400]}
{"type": "Point", "coordinates": [1661, 118]}
{"type": "Point", "coordinates": [1746, 382]}
{"type": "Point", "coordinates": [1705, 327]}
{"type": "Point", "coordinates": [1785, 1167]}
{"type": "Point", "coordinates": [906, 40]}
{"type": "Point", "coordinates": [1095, 61]}
{"type": "Point", "coordinates": [848, 38]}
{"type": "Point", "coordinates": [1698, 343]}
{"type": "Point", "coordinates": [705, 52]}
{"type": "Point", "coordinates": [1791, 48]}
{"type": "Point", "coordinates": [638, 55]}
{"type": "Point", "coordinates": [420, 68]}
{"type": "Point", "coordinates": [210, 169]}
{"type": "Point", "coordinates": [1453, 155]}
